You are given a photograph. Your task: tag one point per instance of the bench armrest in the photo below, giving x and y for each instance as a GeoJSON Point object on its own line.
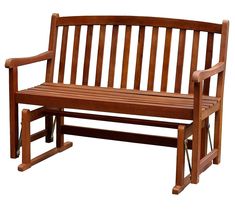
{"type": "Point", "coordinates": [15, 62]}
{"type": "Point", "coordinates": [201, 75]}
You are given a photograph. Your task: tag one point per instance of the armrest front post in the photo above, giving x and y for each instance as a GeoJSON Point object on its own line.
{"type": "Point", "coordinates": [197, 123]}
{"type": "Point", "coordinates": [12, 64]}
{"type": "Point", "coordinates": [14, 129]}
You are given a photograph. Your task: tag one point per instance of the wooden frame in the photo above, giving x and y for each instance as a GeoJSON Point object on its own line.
{"type": "Point", "coordinates": [196, 106]}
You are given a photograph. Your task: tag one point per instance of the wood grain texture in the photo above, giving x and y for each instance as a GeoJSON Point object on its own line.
{"type": "Point", "coordinates": [126, 53]}
{"type": "Point", "coordinates": [140, 21]}
{"type": "Point", "coordinates": [112, 60]}
{"type": "Point", "coordinates": [52, 47]}
{"type": "Point", "coordinates": [220, 90]}
{"type": "Point", "coordinates": [117, 119]}
{"type": "Point", "coordinates": [59, 135]}
{"type": "Point", "coordinates": [180, 161]}
{"type": "Point", "coordinates": [139, 57]}
{"type": "Point", "coordinates": [120, 136]}
{"type": "Point", "coordinates": [208, 62]}
{"type": "Point", "coordinates": [194, 58]}
{"type": "Point", "coordinates": [14, 118]}
{"type": "Point", "coordinates": [76, 42]}
{"type": "Point", "coordinates": [26, 156]}
{"type": "Point", "coordinates": [166, 59]}
{"type": "Point", "coordinates": [63, 54]}
{"type": "Point", "coordinates": [16, 62]}
{"type": "Point", "coordinates": [180, 61]}
{"type": "Point", "coordinates": [99, 64]}
{"type": "Point", "coordinates": [153, 54]}
{"type": "Point", "coordinates": [87, 55]}
{"type": "Point", "coordinates": [197, 123]}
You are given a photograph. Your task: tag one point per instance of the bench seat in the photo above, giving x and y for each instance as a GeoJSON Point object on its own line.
{"type": "Point", "coordinates": [159, 104]}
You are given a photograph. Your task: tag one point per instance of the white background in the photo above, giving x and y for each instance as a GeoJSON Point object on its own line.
{"type": "Point", "coordinates": [100, 173]}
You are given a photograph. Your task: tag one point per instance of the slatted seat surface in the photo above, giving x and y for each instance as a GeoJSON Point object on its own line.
{"type": "Point", "coordinates": [115, 100]}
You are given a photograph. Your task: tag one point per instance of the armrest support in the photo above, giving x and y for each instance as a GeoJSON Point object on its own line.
{"type": "Point", "coordinates": [201, 75]}
{"type": "Point", "coordinates": [15, 62]}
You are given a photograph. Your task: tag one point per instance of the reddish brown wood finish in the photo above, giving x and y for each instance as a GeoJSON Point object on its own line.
{"type": "Point", "coordinates": [166, 59]}
{"type": "Point", "coordinates": [100, 56]}
{"type": "Point", "coordinates": [180, 61]}
{"type": "Point", "coordinates": [126, 56]}
{"type": "Point", "coordinates": [113, 56]}
{"type": "Point", "coordinates": [75, 54]}
{"type": "Point", "coordinates": [139, 57]}
{"type": "Point", "coordinates": [87, 55]}
{"type": "Point", "coordinates": [194, 58]}
{"type": "Point", "coordinates": [196, 106]}
{"type": "Point", "coordinates": [52, 47]}
{"type": "Point", "coordinates": [152, 62]}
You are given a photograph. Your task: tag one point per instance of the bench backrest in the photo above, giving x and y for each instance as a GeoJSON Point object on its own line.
{"type": "Point", "coordinates": [150, 71]}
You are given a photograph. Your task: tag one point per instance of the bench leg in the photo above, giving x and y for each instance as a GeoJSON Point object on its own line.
{"type": "Point", "coordinates": [196, 152]}
{"type": "Point", "coordinates": [14, 127]}
{"type": "Point", "coordinates": [49, 128]}
{"type": "Point", "coordinates": [59, 135]}
{"type": "Point", "coordinates": [181, 181]}
{"type": "Point", "coordinates": [204, 140]}
{"type": "Point", "coordinates": [14, 131]}
{"type": "Point", "coordinates": [27, 162]}
{"type": "Point", "coordinates": [197, 128]}
{"type": "Point", "coordinates": [217, 135]}
{"type": "Point", "coordinates": [26, 155]}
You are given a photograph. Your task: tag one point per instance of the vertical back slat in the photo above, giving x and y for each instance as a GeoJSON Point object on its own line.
{"type": "Point", "coordinates": [194, 58]}
{"type": "Point", "coordinates": [139, 57]}
{"type": "Point", "coordinates": [52, 47]}
{"type": "Point", "coordinates": [126, 56]}
{"type": "Point", "coordinates": [166, 59]}
{"type": "Point", "coordinates": [112, 61]}
{"type": "Point", "coordinates": [87, 55]}
{"type": "Point", "coordinates": [75, 54]}
{"type": "Point", "coordinates": [180, 61]}
{"type": "Point", "coordinates": [100, 55]}
{"type": "Point", "coordinates": [208, 63]}
{"type": "Point", "coordinates": [63, 54]}
{"type": "Point", "coordinates": [152, 62]}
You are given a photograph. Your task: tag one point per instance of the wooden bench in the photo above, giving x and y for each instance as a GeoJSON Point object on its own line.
{"type": "Point", "coordinates": [196, 104]}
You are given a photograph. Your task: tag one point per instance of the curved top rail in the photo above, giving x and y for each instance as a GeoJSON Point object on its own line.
{"type": "Point", "coordinates": [140, 21]}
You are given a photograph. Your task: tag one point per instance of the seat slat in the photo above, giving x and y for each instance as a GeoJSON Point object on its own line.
{"type": "Point", "coordinates": [194, 58]}
{"type": "Point", "coordinates": [100, 54]}
{"type": "Point", "coordinates": [126, 56]}
{"type": "Point", "coordinates": [113, 55]}
{"type": "Point", "coordinates": [99, 100]}
{"type": "Point", "coordinates": [123, 93]}
{"type": "Point", "coordinates": [87, 55]}
{"type": "Point", "coordinates": [63, 54]}
{"type": "Point", "coordinates": [60, 101]}
{"type": "Point", "coordinates": [180, 61]}
{"type": "Point", "coordinates": [61, 97]}
{"type": "Point", "coordinates": [130, 91]}
{"type": "Point", "coordinates": [118, 95]}
{"type": "Point", "coordinates": [166, 59]}
{"type": "Point", "coordinates": [152, 62]}
{"type": "Point", "coordinates": [139, 57]}
{"type": "Point", "coordinates": [75, 54]}
{"type": "Point", "coordinates": [208, 63]}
